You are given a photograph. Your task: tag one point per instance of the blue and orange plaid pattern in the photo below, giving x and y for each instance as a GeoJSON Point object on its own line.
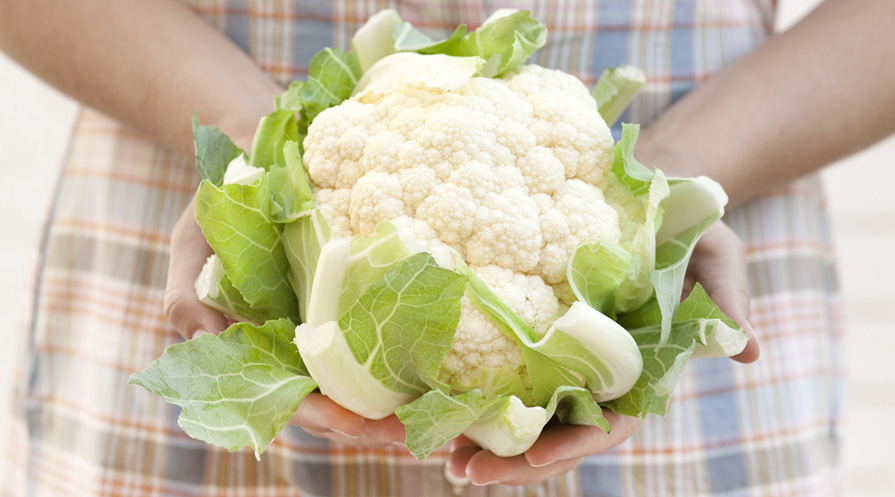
{"type": "Point", "coordinates": [768, 429]}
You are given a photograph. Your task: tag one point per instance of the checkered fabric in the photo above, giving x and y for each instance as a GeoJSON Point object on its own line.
{"type": "Point", "coordinates": [768, 429]}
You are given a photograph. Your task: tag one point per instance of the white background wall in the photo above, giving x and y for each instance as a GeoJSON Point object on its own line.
{"type": "Point", "coordinates": [35, 120]}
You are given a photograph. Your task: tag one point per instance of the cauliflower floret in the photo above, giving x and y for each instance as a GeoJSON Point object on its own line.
{"type": "Point", "coordinates": [482, 180]}
{"type": "Point", "coordinates": [418, 183]}
{"type": "Point", "coordinates": [631, 213]}
{"type": "Point", "coordinates": [506, 232]}
{"type": "Point", "coordinates": [576, 214]}
{"type": "Point", "coordinates": [334, 204]}
{"type": "Point", "coordinates": [528, 296]}
{"type": "Point", "coordinates": [342, 129]}
{"type": "Point", "coordinates": [450, 211]}
{"type": "Point", "coordinates": [541, 170]}
{"type": "Point", "coordinates": [375, 198]}
{"type": "Point", "coordinates": [566, 120]}
{"type": "Point", "coordinates": [478, 344]}
{"type": "Point", "coordinates": [380, 153]}
{"type": "Point", "coordinates": [419, 232]}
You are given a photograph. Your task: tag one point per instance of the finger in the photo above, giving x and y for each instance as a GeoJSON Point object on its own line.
{"type": "Point", "coordinates": [385, 431]}
{"type": "Point", "coordinates": [318, 413]}
{"type": "Point", "coordinates": [379, 433]}
{"type": "Point", "coordinates": [565, 442]}
{"type": "Point", "coordinates": [484, 468]}
{"type": "Point", "coordinates": [189, 250]}
{"type": "Point", "coordinates": [459, 458]}
{"type": "Point", "coordinates": [460, 441]}
{"type": "Point", "coordinates": [721, 269]}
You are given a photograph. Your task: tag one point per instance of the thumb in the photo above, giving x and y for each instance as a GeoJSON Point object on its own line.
{"type": "Point", "coordinates": [719, 264]}
{"type": "Point", "coordinates": [189, 250]}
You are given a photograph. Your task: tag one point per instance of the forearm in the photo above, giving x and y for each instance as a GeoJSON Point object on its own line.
{"type": "Point", "coordinates": [817, 93]}
{"type": "Point", "coordinates": [149, 64]}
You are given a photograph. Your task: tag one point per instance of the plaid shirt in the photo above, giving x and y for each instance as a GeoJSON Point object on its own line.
{"type": "Point", "coordinates": [765, 429]}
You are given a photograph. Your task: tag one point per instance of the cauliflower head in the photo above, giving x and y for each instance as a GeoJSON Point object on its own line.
{"type": "Point", "coordinates": [511, 173]}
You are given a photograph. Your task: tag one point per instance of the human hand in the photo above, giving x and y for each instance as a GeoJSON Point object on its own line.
{"type": "Point", "coordinates": [719, 265]}
{"type": "Point", "coordinates": [317, 414]}
{"type": "Point", "coordinates": [321, 417]}
{"type": "Point", "coordinates": [189, 250]}
{"type": "Point", "coordinates": [558, 450]}
{"type": "Point", "coordinates": [188, 253]}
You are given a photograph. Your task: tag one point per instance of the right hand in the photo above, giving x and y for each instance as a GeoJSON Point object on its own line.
{"type": "Point", "coordinates": [189, 250]}
{"type": "Point", "coordinates": [317, 414]}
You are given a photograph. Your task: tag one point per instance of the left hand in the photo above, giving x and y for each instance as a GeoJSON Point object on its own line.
{"type": "Point", "coordinates": [558, 450]}
{"type": "Point", "coordinates": [719, 265]}
{"type": "Point", "coordinates": [318, 415]}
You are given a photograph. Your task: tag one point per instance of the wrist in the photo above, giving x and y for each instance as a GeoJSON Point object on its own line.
{"type": "Point", "coordinates": [656, 152]}
{"type": "Point", "coordinates": [240, 121]}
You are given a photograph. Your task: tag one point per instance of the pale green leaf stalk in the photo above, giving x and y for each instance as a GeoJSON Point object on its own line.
{"type": "Point", "coordinates": [303, 240]}
{"type": "Point", "coordinates": [290, 190]}
{"type": "Point", "coordinates": [635, 289]}
{"type": "Point", "coordinates": [692, 207]}
{"type": "Point", "coordinates": [615, 90]}
{"type": "Point", "coordinates": [595, 346]}
{"type": "Point", "coordinates": [236, 389]}
{"type": "Point", "coordinates": [375, 39]}
{"type": "Point", "coordinates": [509, 428]}
{"type": "Point", "coordinates": [325, 351]}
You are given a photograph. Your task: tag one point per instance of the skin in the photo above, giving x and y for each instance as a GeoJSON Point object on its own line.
{"type": "Point", "coordinates": [754, 125]}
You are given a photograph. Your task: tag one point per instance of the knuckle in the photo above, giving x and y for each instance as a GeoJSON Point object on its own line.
{"type": "Point", "coordinates": [172, 302]}
{"type": "Point", "coordinates": [176, 305]}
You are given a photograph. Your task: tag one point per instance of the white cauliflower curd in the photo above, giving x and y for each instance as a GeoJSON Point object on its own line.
{"type": "Point", "coordinates": [510, 173]}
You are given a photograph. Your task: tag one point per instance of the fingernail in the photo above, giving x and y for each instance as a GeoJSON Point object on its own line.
{"type": "Point", "coordinates": [541, 465]}
{"type": "Point", "coordinates": [492, 482]}
{"type": "Point", "coordinates": [198, 333]}
{"type": "Point", "coordinates": [343, 433]}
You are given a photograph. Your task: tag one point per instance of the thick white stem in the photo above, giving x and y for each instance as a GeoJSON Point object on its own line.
{"type": "Point", "coordinates": [328, 282]}
{"type": "Point", "coordinates": [689, 203]}
{"type": "Point", "coordinates": [340, 377]}
{"type": "Point", "coordinates": [607, 340]}
{"type": "Point", "coordinates": [510, 430]}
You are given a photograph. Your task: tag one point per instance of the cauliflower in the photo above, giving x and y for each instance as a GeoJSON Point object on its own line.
{"type": "Point", "coordinates": [509, 173]}
{"type": "Point", "coordinates": [458, 241]}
